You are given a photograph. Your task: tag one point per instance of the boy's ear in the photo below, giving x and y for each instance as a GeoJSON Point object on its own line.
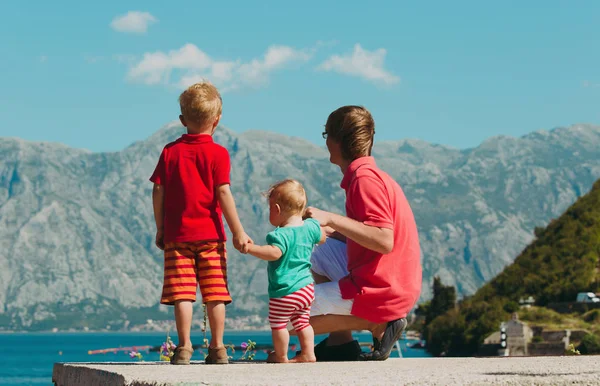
{"type": "Point", "coordinates": [278, 209]}
{"type": "Point", "coordinates": [182, 119]}
{"type": "Point", "coordinates": [215, 124]}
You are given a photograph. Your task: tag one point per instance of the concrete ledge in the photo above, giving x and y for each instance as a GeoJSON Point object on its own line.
{"type": "Point", "coordinates": [581, 370]}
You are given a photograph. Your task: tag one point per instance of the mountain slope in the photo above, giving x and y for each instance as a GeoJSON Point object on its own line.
{"type": "Point", "coordinates": [562, 261]}
{"type": "Point", "coordinates": [77, 227]}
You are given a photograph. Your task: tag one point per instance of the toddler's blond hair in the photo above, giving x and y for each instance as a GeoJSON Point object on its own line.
{"type": "Point", "coordinates": [201, 103]}
{"type": "Point", "coordinates": [290, 196]}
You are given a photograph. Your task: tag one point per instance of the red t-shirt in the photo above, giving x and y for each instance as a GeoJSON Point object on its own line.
{"type": "Point", "coordinates": [384, 287]}
{"type": "Point", "coordinates": [190, 169]}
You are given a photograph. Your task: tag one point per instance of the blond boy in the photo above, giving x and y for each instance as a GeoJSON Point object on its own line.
{"type": "Point", "coordinates": [191, 191]}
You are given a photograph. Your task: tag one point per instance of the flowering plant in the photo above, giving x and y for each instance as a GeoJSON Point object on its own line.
{"type": "Point", "coordinates": [167, 349]}
{"type": "Point", "coordinates": [135, 354]}
{"type": "Point", "coordinates": [249, 350]}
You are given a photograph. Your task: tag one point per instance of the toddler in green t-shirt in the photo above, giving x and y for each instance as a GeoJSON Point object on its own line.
{"type": "Point", "coordinates": [291, 288]}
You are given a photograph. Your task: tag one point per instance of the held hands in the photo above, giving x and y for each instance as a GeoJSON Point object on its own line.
{"type": "Point", "coordinates": [242, 242]}
{"type": "Point", "coordinates": [159, 240]}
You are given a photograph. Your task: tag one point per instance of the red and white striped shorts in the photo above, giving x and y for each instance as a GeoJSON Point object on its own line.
{"type": "Point", "coordinates": [294, 307]}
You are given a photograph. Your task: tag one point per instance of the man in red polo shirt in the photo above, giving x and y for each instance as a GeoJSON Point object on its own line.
{"type": "Point", "coordinates": [369, 271]}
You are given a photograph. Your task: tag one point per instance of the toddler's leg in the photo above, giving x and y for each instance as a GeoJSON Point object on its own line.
{"type": "Point", "coordinates": [306, 336]}
{"type": "Point", "coordinates": [280, 311]}
{"type": "Point", "coordinates": [281, 341]}
{"type": "Point", "coordinates": [183, 321]}
{"type": "Point", "coordinates": [216, 320]}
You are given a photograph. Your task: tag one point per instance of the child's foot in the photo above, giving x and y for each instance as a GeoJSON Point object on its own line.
{"type": "Point", "coordinates": [274, 358]}
{"type": "Point", "coordinates": [303, 358]}
{"type": "Point", "coordinates": [217, 356]}
{"type": "Point", "coordinates": [182, 355]}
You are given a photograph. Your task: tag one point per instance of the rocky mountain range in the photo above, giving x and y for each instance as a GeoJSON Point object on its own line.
{"type": "Point", "coordinates": [76, 227]}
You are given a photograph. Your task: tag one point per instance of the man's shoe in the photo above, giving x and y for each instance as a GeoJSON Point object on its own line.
{"type": "Point", "coordinates": [346, 352]}
{"type": "Point", "coordinates": [382, 349]}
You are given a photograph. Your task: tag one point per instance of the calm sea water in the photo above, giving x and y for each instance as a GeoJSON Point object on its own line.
{"type": "Point", "coordinates": [28, 358]}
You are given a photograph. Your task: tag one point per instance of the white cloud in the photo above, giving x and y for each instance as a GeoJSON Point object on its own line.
{"type": "Point", "coordinates": [92, 59]}
{"type": "Point", "coordinates": [365, 64]}
{"type": "Point", "coordinates": [133, 22]}
{"type": "Point", "coordinates": [189, 64]}
{"type": "Point", "coordinates": [588, 84]}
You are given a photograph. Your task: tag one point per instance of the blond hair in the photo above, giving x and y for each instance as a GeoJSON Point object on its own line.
{"type": "Point", "coordinates": [353, 128]}
{"type": "Point", "coordinates": [290, 196]}
{"type": "Point", "coordinates": [201, 103]}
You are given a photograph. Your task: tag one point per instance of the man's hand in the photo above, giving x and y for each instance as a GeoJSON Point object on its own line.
{"type": "Point", "coordinates": [241, 242]}
{"type": "Point", "coordinates": [159, 240]}
{"type": "Point", "coordinates": [324, 218]}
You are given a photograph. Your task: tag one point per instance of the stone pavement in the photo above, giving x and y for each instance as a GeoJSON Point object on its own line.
{"type": "Point", "coordinates": [580, 370]}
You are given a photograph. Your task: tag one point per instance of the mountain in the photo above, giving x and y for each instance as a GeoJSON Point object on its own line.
{"type": "Point", "coordinates": [77, 230]}
{"type": "Point", "coordinates": [562, 261]}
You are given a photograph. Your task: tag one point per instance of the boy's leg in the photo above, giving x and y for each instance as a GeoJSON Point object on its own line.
{"type": "Point", "coordinates": [179, 290]}
{"type": "Point", "coordinates": [183, 321]}
{"type": "Point", "coordinates": [211, 268]}
{"type": "Point", "coordinates": [216, 320]}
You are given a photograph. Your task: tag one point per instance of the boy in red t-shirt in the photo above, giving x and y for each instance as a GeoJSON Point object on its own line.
{"type": "Point", "coordinates": [372, 279]}
{"type": "Point", "coordinates": [191, 191]}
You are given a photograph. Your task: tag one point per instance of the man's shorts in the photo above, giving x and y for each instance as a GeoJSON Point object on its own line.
{"type": "Point", "coordinates": [330, 260]}
{"type": "Point", "coordinates": [190, 264]}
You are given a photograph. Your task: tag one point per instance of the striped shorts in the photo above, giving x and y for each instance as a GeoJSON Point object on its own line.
{"type": "Point", "coordinates": [294, 308]}
{"type": "Point", "coordinates": [190, 264]}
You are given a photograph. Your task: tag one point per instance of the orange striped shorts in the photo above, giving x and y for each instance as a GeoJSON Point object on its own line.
{"type": "Point", "coordinates": [190, 264]}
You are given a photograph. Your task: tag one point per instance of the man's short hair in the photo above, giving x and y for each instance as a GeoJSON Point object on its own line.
{"type": "Point", "coordinates": [201, 103]}
{"type": "Point", "coordinates": [353, 128]}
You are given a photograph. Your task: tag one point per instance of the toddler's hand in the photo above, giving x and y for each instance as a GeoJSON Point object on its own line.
{"type": "Point", "coordinates": [159, 239]}
{"type": "Point", "coordinates": [241, 241]}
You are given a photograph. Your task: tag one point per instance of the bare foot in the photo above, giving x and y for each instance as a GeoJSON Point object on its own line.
{"type": "Point", "coordinates": [274, 358]}
{"type": "Point", "coordinates": [302, 358]}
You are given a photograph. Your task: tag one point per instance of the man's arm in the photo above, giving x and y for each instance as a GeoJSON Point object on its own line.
{"type": "Point", "coordinates": [374, 238]}
{"type": "Point", "coordinates": [158, 202]}
{"type": "Point", "coordinates": [265, 252]}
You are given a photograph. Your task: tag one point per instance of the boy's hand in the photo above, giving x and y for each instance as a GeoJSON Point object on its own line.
{"type": "Point", "coordinates": [324, 218]}
{"type": "Point", "coordinates": [241, 241]}
{"type": "Point", "coordinates": [159, 240]}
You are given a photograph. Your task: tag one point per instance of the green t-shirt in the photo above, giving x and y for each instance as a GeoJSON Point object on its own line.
{"type": "Point", "coordinates": [292, 270]}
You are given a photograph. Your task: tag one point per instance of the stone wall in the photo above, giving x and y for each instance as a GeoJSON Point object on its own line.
{"type": "Point", "coordinates": [547, 348]}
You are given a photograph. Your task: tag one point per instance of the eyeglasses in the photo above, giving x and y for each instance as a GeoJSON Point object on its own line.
{"type": "Point", "coordinates": [324, 134]}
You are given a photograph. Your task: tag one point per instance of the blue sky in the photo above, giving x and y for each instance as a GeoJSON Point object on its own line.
{"type": "Point", "coordinates": [101, 75]}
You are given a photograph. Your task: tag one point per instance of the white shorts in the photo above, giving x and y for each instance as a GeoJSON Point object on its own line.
{"type": "Point", "coordinates": [330, 260]}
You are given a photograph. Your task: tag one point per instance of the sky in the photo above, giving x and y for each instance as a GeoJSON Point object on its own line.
{"type": "Point", "coordinates": [102, 75]}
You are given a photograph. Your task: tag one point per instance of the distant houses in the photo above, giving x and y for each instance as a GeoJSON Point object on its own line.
{"type": "Point", "coordinates": [523, 340]}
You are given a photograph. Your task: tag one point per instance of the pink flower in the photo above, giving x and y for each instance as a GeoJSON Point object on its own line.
{"type": "Point", "coordinates": [133, 354]}
{"type": "Point", "coordinates": [244, 345]}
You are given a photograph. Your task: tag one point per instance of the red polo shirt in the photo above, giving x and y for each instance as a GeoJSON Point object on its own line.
{"type": "Point", "coordinates": [384, 287]}
{"type": "Point", "coordinates": [190, 169]}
